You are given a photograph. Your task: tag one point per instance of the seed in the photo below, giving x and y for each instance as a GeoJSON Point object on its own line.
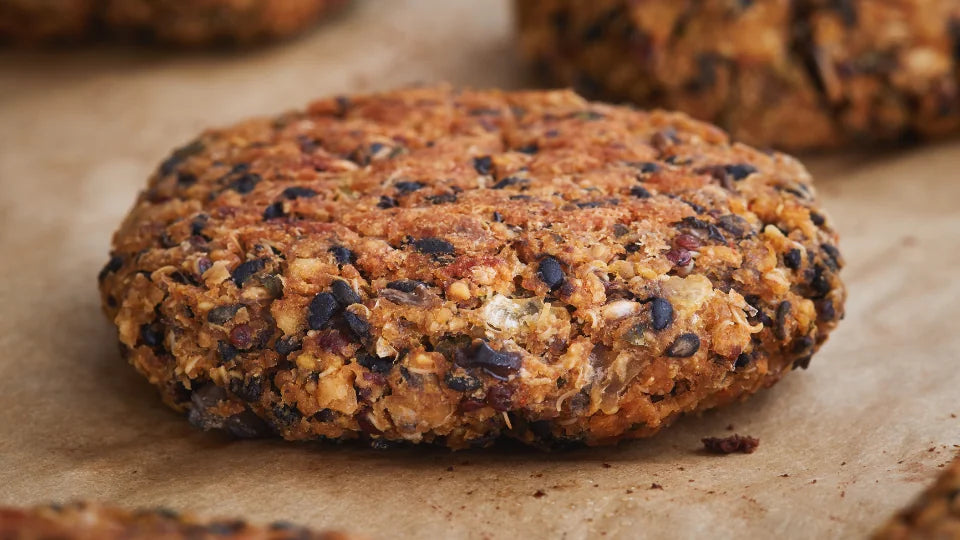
{"type": "Point", "coordinates": [550, 272]}
{"type": "Point", "coordinates": [321, 309]}
{"type": "Point", "coordinates": [483, 164]}
{"type": "Point", "coordinates": [222, 314]}
{"type": "Point", "coordinates": [661, 313]}
{"type": "Point", "coordinates": [357, 324]}
{"type": "Point", "coordinates": [295, 192]}
{"type": "Point", "coordinates": [793, 259]}
{"type": "Point", "coordinates": [686, 345]}
{"type": "Point", "coordinates": [433, 246]}
{"type": "Point", "coordinates": [344, 293]}
{"type": "Point", "coordinates": [244, 271]}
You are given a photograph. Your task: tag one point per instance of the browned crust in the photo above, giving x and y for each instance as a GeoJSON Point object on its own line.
{"type": "Point", "coordinates": [588, 272]}
{"type": "Point", "coordinates": [788, 74]}
{"type": "Point", "coordinates": [90, 521]}
{"type": "Point", "coordinates": [934, 515]}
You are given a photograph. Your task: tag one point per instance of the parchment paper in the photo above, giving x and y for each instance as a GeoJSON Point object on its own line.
{"type": "Point", "coordinates": [842, 445]}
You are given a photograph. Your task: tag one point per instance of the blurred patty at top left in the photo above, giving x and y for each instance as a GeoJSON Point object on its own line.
{"type": "Point", "coordinates": [174, 22]}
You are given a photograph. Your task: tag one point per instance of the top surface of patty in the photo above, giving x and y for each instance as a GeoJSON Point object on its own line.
{"type": "Point", "coordinates": [784, 73]}
{"type": "Point", "coordinates": [87, 521]}
{"type": "Point", "coordinates": [435, 265]}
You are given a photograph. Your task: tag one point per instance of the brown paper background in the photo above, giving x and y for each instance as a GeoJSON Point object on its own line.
{"type": "Point", "coordinates": [859, 433]}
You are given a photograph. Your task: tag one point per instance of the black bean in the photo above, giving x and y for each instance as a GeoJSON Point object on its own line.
{"type": "Point", "coordinates": [739, 171]}
{"type": "Point", "coordinates": [531, 148]}
{"type": "Point", "coordinates": [226, 351]}
{"type": "Point", "coordinates": [287, 345]}
{"type": "Point", "coordinates": [483, 164]}
{"type": "Point", "coordinates": [633, 247]}
{"type": "Point", "coordinates": [386, 202]}
{"type": "Point", "coordinates": [640, 192]}
{"type": "Point", "coordinates": [733, 224]}
{"type": "Point", "coordinates": [244, 183]}
{"type": "Point", "coordinates": [249, 390]}
{"type": "Point", "coordinates": [686, 345]}
{"type": "Point", "coordinates": [497, 218]}
{"type": "Point", "coordinates": [817, 219]}
{"type": "Point", "coordinates": [743, 360]}
{"type": "Point", "coordinates": [802, 345]}
{"type": "Point", "coordinates": [408, 187]}
{"type": "Point", "coordinates": [820, 284]}
{"type": "Point", "coordinates": [295, 192]}
{"type": "Point", "coordinates": [433, 246]}
{"type": "Point", "coordinates": [112, 265]}
{"type": "Point", "coordinates": [273, 284]}
{"type": "Point", "coordinates": [375, 363]}
{"type": "Point", "coordinates": [645, 167]}
{"type": "Point", "coordinates": [793, 259]}
{"type": "Point", "coordinates": [344, 293]}
{"type": "Point", "coordinates": [802, 363]}
{"type": "Point", "coordinates": [443, 198]}
{"type": "Point", "coordinates": [198, 223]}
{"type": "Point", "coordinates": [321, 309]}
{"type": "Point", "coordinates": [245, 270]}
{"type": "Point", "coordinates": [661, 313]}
{"type": "Point", "coordinates": [179, 156]}
{"type": "Point", "coordinates": [826, 311]}
{"type": "Point", "coordinates": [357, 324]}
{"type": "Point", "coordinates": [550, 272]}
{"type": "Point", "coordinates": [499, 364]}
{"type": "Point", "coordinates": [783, 311]}
{"type": "Point", "coordinates": [507, 182]}
{"type": "Point", "coordinates": [342, 255]}
{"type": "Point", "coordinates": [185, 179]}
{"type": "Point", "coordinates": [273, 211]}
{"type": "Point", "coordinates": [833, 256]}
{"type": "Point", "coordinates": [405, 285]}
{"type": "Point", "coordinates": [464, 383]}
{"type": "Point", "coordinates": [287, 414]}
{"type": "Point", "coordinates": [222, 314]}
{"type": "Point", "coordinates": [152, 335]}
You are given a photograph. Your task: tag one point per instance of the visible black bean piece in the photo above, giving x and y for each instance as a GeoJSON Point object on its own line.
{"type": "Point", "coordinates": [226, 351]}
{"type": "Point", "coordinates": [793, 259]}
{"type": "Point", "coordinates": [273, 211]}
{"type": "Point", "coordinates": [344, 293]}
{"type": "Point", "coordinates": [375, 363]}
{"type": "Point", "coordinates": [405, 285]}
{"type": "Point", "coordinates": [198, 223]}
{"type": "Point", "coordinates": [433, 246]}
{"type": "Point", "coordinates": [342, 255]}
{"type": "Point", "coordinates": [820, 284]}
{"type": "Point", "coordinates": [645, 167]}
{"type": "Point", "coordinates": [222, 314]}
{"type": "Point", "coordinates": [739, 171]}
{"type": "Point", "coordinates": [802, 345]}
{"type": "Point", "coordinates": [619, 229]}
{"type": "Point", "coordinates": [465, 383]}
{"type": "Point", "coordinates": [633, 247]}
{"type": "Point", "coordinates": [152, 335]}
{"type": "Point", "coordinates": [387, 202]}
{"type": "Point", "coordinates": [661, 313]}
{"type": "Point", "coordinates": [497, 218]}
{"type": "Point", "coordinates": [825, 310]}
{"type": "Point", "coordinates": [321, 309]}
{"type": "Point", "coordinates": [112, 265]}
{"type": "Point", "coordinates": [296, 192]}
{"type": "Point", "coordinates": [180, 155]}
{"type": "Point", "coordinates": [783, 311]}
{"type": "Point", "coordinates": [733, 224]}
{"type": "Point", "coordinates": [686, 345]}
{"type": "Point", "coordinates": [245, 270]}
{"type": "Point", "coordinates": [506, 182]}
{"type": "Point", "coordinates": [287, 414]}
{"type": "Point", "coordinates": [408, 187]}
{"type": "Point", "coordinates": [273, 284]}
{"type": "Point", "coordinates": [550, 272]}
{"type": "Point", "coordinates": [357, 324]}
{"type": "Point", "coordinates": [743, 360]}
{"type": "Point", "coordinates": [287, 345]}
{"type": "Point", "coordinates": [443, 198]}
{"type": "Point", "coordinates": [185, 179]}
{"type": "Point", "coordinates": [833, 256]}
{"type": "Point", "coordinates": [496, 363]}
{"type": "Point", "coordinates": [640, 192]}
{"type": "Point", "coordinates": [483, 164]}
{"type": "Point", "coordinates": [247, 390]}
{"type": "Point", "coordinates": [244, 183]}
{"type": "Point", "coordinates": [802, 363]}
{"type": "Point", "coordinates": [817, 219]}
